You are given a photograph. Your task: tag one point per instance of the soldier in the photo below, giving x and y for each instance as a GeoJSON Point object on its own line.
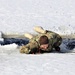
{"type": "Point", "coordinates": [45, 41]}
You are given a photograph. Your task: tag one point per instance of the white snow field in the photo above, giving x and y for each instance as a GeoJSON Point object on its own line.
{"type": "Point", "coordinates": [20, 16]}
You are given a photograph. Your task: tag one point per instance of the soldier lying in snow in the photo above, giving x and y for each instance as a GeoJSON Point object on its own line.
{"type": "Point", "coordinates": [45, 41]}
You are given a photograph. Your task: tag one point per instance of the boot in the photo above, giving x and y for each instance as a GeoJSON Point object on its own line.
{"type": "Point", "coordinates": [57, 49]}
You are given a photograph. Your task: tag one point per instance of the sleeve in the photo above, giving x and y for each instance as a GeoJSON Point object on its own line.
{"type": "Point", "coordinates": [30, 47]}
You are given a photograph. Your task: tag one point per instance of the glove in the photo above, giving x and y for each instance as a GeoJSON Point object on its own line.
{"type": "Point", "coordinates": [24, 49]}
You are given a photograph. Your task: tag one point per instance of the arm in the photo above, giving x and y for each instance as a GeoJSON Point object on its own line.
{"type": "Point", "coordinates": [29, 48]}
{"type": "Point", "coordinates": [24, 49]}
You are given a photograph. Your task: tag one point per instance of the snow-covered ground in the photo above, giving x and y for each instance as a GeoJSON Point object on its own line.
{"type": "Point", "coordinates": [20, 16]}
{"type": "Point", "coordinates": [46, 64]}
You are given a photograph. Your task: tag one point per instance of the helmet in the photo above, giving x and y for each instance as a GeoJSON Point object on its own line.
{"type": "Point", "coordinates": [43, 40]}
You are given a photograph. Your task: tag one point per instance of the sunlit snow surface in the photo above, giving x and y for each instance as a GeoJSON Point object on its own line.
{"type": "Point", "coordinates": [20, 16]}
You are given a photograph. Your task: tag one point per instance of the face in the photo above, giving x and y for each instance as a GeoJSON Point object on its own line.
{"type": "Point", "coordinates": [44, 46]}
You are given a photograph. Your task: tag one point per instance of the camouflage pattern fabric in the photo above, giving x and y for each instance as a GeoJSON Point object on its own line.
{"type": "Point", "coordinates": [54, 41]}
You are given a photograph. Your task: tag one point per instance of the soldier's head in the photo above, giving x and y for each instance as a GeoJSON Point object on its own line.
{"type": "Point", "coordinates": [44, 42]}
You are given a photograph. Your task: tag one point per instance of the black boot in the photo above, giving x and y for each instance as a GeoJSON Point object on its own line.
{"type": "Point", "coordinates": [57, 48]}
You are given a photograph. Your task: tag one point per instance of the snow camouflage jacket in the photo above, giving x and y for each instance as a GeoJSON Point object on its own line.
{"type": "Point", "coordinates": [33, 45]}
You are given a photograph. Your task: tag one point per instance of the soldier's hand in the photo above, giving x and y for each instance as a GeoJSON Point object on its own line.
{"type": "Point", "coordinates": [24, 49]}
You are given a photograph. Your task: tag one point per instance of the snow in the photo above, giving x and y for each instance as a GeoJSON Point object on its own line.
{"type": "Point", "coordinates": [46, 64]}
{"type": "Point", "coordinates": [20, 16]}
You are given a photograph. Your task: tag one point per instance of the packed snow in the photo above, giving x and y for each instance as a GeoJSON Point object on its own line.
{"type": "Point", "coordinates": [20, 16]}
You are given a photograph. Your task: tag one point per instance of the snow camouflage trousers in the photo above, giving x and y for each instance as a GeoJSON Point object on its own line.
{"type": "Point", "coordinates": [54, 41]}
